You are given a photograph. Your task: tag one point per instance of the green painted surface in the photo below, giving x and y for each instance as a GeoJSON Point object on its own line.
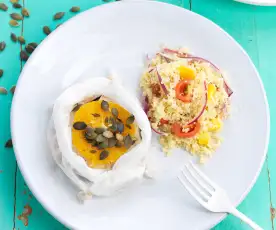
{"type": "Point", "coordinates": [253, 27]}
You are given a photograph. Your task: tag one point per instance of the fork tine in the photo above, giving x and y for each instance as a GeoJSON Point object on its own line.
{"type": "Point", "coordinates": [203, 176]}
{"type": "Point", "coordinates": [192, 193]}
{"type": "Point", "coordinates": [199, 180]}
{"type": "Point", "coordinates": [196, 186]}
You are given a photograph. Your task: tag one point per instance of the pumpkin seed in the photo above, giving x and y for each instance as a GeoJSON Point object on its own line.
{"type": "Point", "coordinates": [21, 40]}
{"type": "Point", "coordinates": [79, 125]}
{"type": "Point", "coordinates": [114, 112]}
{"type": "Point", "coordinates": [97, 98]}
{"type": "Point", "coordinates": [3, 91]}
{"type": "Point", "coordinates": [100, 138]}
{"type": "Point", "coordinates": [16, 16]}
{"type": "Point", "coordinates": [13, 37]}
{"type": "Point", "coordinates": [103, 145]}
{"type": "Point", "coordinates": [127, 141]}
{"type": "Point", "coordinates": [119, 137]}
{"type": "Point", "coordinates": [120, 127]}
{"type": "Point", "coordinates": [89, 129]}
{"type": "Point", "coordinates": [14, 1]}
{"type": "Point", "coordinates": [90, 136]}
{"type": "Point", "coordinates": [1, 72]}
{"type": "Point", "coordinates": [13, 23]}
{"type": "Point", "coordinates": [108, 134]}
{"type": "Point", "coordinates": [93, 151]}
{"type": "Point", "coordinates": [94, 143]}
{"type": "Point", "coordinates": [112, 142]}
{"type": "Point", "coordinates": [113, 128]}
{"type": "Point", "coordinates": [105, 106]}
{"type": "Point", "coordinates": [96, 115]}
{"type": "Point", "coordinates": [23, 55]}
{"type": "Point", "coordinates": [29, 48]}
{"type": "Point", "coordinates": [99, 130]}
{"type": "Point", "coordinates": [25, 12]}
{"type": "Point", "coordinates": [59, 15]}
{"type": "Point", "coordinates": [130, 120]}
{"type": "Point", "coordinates": [12, 89]}
{"type": "Point", "coordinates": [128, 126]}
{"type": "Point", "coordinates": [46, 30]}
{"type": "Point", "coordinates": [75, 9]}
{"type": "Point", "coordinates": [119, 144]}
{"type": "Point", "coordinates": [33, 44]}
{"type": "Point", "coordinates": [16, 5]}
{"type": "Point", "coordinates": [9, 144]}
{"type": "Point", "coordinates": [3, 7]}
{"type": "Point", "coordinates": [104, 154]}
{"type": "Point", "coordinates": [76, 107]}
{"type": "Point", "coordinates": [2, 46]}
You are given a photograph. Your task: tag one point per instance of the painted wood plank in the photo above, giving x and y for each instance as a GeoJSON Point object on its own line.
{"type": "Point", "coordinates": [10, 63]}
{"type": "Point", "coordinates": [239, 20]}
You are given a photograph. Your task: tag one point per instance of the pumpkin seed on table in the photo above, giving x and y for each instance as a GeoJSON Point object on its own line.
{"type": "Point", "coordinates": [3, 7]}
{"type": "Point", "coordinates": [104, 154]}
{"type": "Point", "coordinates": [130, 120]}
{"type": "Point", "coordinates": [3, 91]}
{"type": "Point", "coordinates": [14, 1]}
{"type": "Point", "coordinates": [93, 151]}
{"type": "Point", "coordinates": [17, 5]}
{"type": "Point", "coordinates": [105, 106]}
{"type": "Point", "coordinates": [99, 130]}
{"type": "Point", "coordinates": [59, 15]}
{"type": "Point", "coordinates": [21, 40]}
{"type": "Point", "coordinates": [114, 112]}
{"type": "Point", "coordinates": [25, 12]}
{"type": "Point", "coordinates": [13, 37]}
{"type": "Point", "coordinates": [108, 134]}
{"type": "Point", "coordinates": [112, 142]}
{"type": "Point", "coordinates": [13, 23]}
{"type": "Point", "coordinates": [9, 144]}
{"type": "Point", "coordinates": [46, 30]}
{"type": "Point", "coordinates": [24, 56]}
{"type": "Point", "coordinates": [79, 125]}
{"type": "Point", "coordinates": [75, 9]}
{"type": "Point", "coordinates": [12, 89]}
{"type": "Point", "coordinates": [96, 115]}
{"type": "Point", "coordinates": [16, 16]}
{"type": "Point", "coordinates": [2, 45]}
{"type": "Point", "coordinates": [1, 72]}
{"type": "Point", "coordinates": [127, 141]}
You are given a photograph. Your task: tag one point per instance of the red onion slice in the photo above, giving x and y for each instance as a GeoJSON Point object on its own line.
{"type": "Point", "coordinates": [203, 107]}
{"type": "Point", "coordinates": [162, 85]}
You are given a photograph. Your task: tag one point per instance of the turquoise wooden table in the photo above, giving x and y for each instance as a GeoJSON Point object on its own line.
{"type": "Point", "coordinates": [253, 27]}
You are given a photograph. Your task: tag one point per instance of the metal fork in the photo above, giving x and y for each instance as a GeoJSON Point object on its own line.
{"type": "Point", "coordinates": [208, 194]}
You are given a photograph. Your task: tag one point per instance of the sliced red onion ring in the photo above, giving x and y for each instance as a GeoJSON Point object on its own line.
{"type": "Point", "coordinates": [203, 107]}
{"type": "Point", "coordinates": [160, 81]}
{"type": "Point", "coordinates": [179, 54]}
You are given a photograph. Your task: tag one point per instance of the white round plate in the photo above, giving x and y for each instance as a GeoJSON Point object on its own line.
{"type": "Point", "coordinates": [259, 2]}
{"type": "Point", "coordinates": [117, 36]}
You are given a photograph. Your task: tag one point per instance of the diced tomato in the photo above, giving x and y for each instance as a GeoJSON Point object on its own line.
{"type": "Point", "coordinates": [180, 91]}
{"type": "Point", "coordinates": [163, 121]}
{"type": "Point", "coordinates": [193, 130]}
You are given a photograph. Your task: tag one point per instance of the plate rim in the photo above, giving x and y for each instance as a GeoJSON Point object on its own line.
{"type": "Point", "coordinates": [258, 2]}
{"type": "Point", "coordinates": [33, 56]}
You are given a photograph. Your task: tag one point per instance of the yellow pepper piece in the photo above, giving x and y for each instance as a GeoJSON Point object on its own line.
{"type": "Point", "coordinates": [211, 90]}
{"type": "Point", "coordinates": [203, 138]}
{"type": "Point", "coordinates": [216, 124]}
{"type": "Point", "coordinates": [186, 73]}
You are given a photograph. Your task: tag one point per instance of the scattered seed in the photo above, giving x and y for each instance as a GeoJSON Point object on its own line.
{"type": "Point", "coordinates": [99, 130]}
{"type": "Point", "coordinates": [16, 5]}
{"type": "Point", "coordinates": [33, 44]}
{"type": "Point", "coordinates": [75, 9]}
{"type": "Point", "coordinates": [96, 115]}
{"type": "Point", "coordinates": [120, 127]}
{"type": "Point", "coordinates": [103, 145]}
{"type": "Point", "coordinates": [30, 49]}
{"type": "Point", "coordinates": [3, 7]}
{"type": "Point", "coordinates": [12, 89]}
{"type": "Point", "coordinates": [114, 112]}
{"type": "Point", "coordinates": [2, 46]}
{"type": "Point", "coordinates": [93, 151]}
{"type": "Point", "coordinates": [104, 154]}
{"type": "Point", "coordinates": [46, 30]}
{"type": "Point", "coordinates": [90, 136]}
{"type": "Point", "coordinates": [23, 55]}
{"type": "Point", "coordinates": [127, 141]}
{"type": "Point", "coordinates": [76, 106]}
{"type": "Point", "coordinates": [105, 105]}
{"type": "Point", "coordinates": [128, 126]}
{"type": "Point", "coordinates": [13, 37]}
{"type": "Point", "coordinates": [14, 1]}
{"type": "Point", "coordinates": [79, 125]}
{"type": "Point", "coordinates": [14, 23]}
{"type": "Point", "coordinates": [25, 12]}
{"type": "Point", "coordinates": [59, 15]}
{"type": "Point", "coordinates": [9, 144]}
{"type": "Point", "coordinates": [16, 16]}
{"type": "Point", "coordinates": [3, 91]}
{"type": "Point", "coordinates": [113, 128]}
{"type": "Point", "coordinates": [1, 72]}
{"type": "Point", "coordinates": [21, 40]}
{"type": "Point", "coordinates": [97, 98]}
{"type": "Point", "coordinates": [94, 143]}
{"type": "Point", "coordinates": [130, 120]}
{"type": "Point", "coordinates": [107, 134]}
{"type": "Point", "coordinates": [119, 144]}
{"type": "Point", "coordinates": [119, 137]}
{"type": "Point", "coordinates": [112, 142]}
{"type": "Point", "coordinates": [100, 138]}
{"type": "Point", "coordinates": [89, 129]}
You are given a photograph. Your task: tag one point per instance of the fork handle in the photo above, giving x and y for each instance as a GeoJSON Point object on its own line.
{"type": "Point", "coordinates": [245, 219]}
